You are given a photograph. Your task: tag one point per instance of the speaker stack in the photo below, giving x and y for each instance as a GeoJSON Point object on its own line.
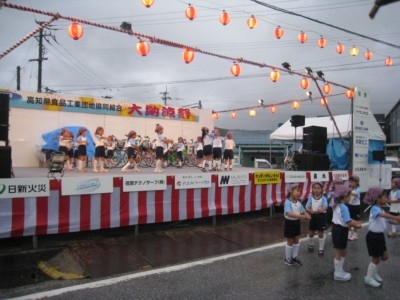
{"type": "Point", "coordinates": [313, 156]}
{"type": "Point", "coordinates": [315, 139]}
{"type": "Point", "coordinates": [5, 151]}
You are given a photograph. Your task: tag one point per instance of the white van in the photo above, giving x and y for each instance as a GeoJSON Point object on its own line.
{"type": "Point", "coordinates": [394, 162]}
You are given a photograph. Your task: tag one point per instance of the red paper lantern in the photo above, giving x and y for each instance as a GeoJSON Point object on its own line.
{"type": "Point", "coordinates": [304, 83]}
{"type": "Point", "coordinates": [272, 108]}
{"type": "Point", "coordinates": [233, 115]}
{"type": "Point", "coordinates": [327, 88]}
{"type": "Point", "coordinates": [252, 22]}
{"type": "Point", "coordinates": [388, 61]}
{"type": "Point", "coordinates": [354, 51]}
{"type": "Point", "coordinates": [75, 31]}
{"type": "Point", "coordinates": [190, 12]}
{"type": "Point", "coordinates": [224, 18]}
{"type": "Point", "coordinates": [235, 70]}
{"type": "Point", "coordinates": [339, 48]}
{"type": "Point", "coordinates": [349, 94]}
{"type": "Point", "coordinates": [279, 32]}
{"type": "Point", "coordinates": [322, 42]}
{"type": "Point", "coordinates": [142, 48]}
{"type": "Point", "coordinates": [368, 55]}
{"type": "Point", "coordinates": [323, 101]}
{"type": "Point", "coordinates": [215, 115]}
{"type": "Point", "coordinates": [147, 3]}
{"type": "Point", "coordinates": [295, 104]}
{"type": "Point", "coordinates": [302, 37]}
{"type": "Point", "coordinates": [274, 75]}
{"type": "Point", "coordinates": [188, 56]}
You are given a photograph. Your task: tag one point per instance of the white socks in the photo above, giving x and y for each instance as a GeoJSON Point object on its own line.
{"type": "Point", "coordinates": [288, 252]}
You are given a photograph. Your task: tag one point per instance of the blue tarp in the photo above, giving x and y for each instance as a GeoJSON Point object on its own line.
{"type": "Point", "coordinates": [51, 140]}
{"type": "Point", "coordinates": [339, 153]}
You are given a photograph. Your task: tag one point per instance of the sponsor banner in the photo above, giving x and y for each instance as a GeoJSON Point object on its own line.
{"type": "Point", "coordinates": [233, 179]}
{"type": "Point", "coordinates": [295, 176]}
{"type": "Point", "coordinates": [24, 187]}
{"type": "Point", "coordinates": [361, 115]}
{"type": "Point", "coordinates": [100, 106]}
{"type": "Point", "coordinates": [153, 182]}
{"type": "Point", "coordinates": [86, 185]}
{"type": "Point", "coordinates": [380, 175]}
{"type": "Point", "coordinates": [319, 175]}
{"type": "Point", "coordinates": [267, 177]}
{"type": "Point", "coordinates": [192, 181]}
{"type": "Point", "coordinates": [342, 174]}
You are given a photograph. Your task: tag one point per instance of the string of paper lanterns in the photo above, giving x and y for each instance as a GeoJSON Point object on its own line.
{"type": "Point", "coordinates": [295, 104]}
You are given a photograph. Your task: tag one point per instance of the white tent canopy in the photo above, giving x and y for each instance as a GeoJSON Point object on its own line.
{"type": "Point", "coordinates": [287, 132]}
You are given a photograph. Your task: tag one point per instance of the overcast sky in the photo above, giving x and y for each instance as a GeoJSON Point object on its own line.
{"type": "Point", "coordinates": [105, 63]}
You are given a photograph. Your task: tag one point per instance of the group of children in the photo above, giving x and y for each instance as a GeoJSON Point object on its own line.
{"type": "Point", "coordinates": [341, 207]}
{"type": "Point", "coordinates": [208, 149]}
{"type": "Point", "coordinates": [211, 154]}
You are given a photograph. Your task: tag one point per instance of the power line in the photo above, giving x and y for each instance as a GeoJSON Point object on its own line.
{"type": "Point", "coordinates": [324, 23]}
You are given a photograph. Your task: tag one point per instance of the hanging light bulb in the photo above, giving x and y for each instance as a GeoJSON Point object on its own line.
{"type": "Point", "coordinates": [279, 32]}
{"type": "Point", "coordinates": [339, 48]}
{"type": "Point", "coordinates": [233, 114]}
{"type": "Point", "coordinates": [322, 42]}
{"type": "Point", "coordinates": [188, 55]}
{"type": "Point", "coordinates": [274, 75]}
{"type": "Point", "coordinates": [224, 18]}
{"type": "Point", "coordinates": [235, 70]}
{"type": "Point", "coordinates": [272, 108]}
{"type": "Point", "coordinates": [388, 61]}
{"type": "Point", "coordinates": [295, 104]}
{"type": "Point", "coordinates": [215, 115]}
{"type": "Point", "coordinates": [252, 112]}
{"type": "Point", "coordinates": [368, 55]}
{"type": "Point", "coordinates": [147, 3]}
{"type": "Point", "coordinates": [304, 83]}
{"type": "Point", "coordinates": [349, 94]}
{"type": "Point", "coordinates": [190, 12]}
{"type": "Point", "coordinates": [324, 101]}
{"type": "Point", "coordinates": [354, 51]}
{"type": "Point", "coordinates": [142, 48]}
{"type": "Point", "coordinates": [302, 37]}
{"type": "Point", "coordinates": [75, 31]}
{"type": "Point", "coordinates": [327, 88]}
{"type": "Point", "coordinates": [252, 22]}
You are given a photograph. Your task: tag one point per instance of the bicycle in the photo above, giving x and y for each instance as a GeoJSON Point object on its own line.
{"type": "Point", "coordinates": [288, 162]}
{"type": "Point", "coordinates": [120, 157]}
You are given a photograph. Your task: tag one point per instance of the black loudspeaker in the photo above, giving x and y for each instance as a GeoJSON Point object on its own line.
{"type": "Point", "coordinates": [311, 162]}
{"type": "Point", "coordinates": [5, 158]}
{"type": "Point", "coordinates": [4, 116]}
{"type": "Point", "coordinates": [297, 120]}
{"type": "Point", "coordinates": [315, 139]}
{"type": "Point", "coordinates": [378, 155]}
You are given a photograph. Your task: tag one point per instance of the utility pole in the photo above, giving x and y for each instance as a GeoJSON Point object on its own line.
{"type": "Point", "coordinates": [18, 78]}
{"type": "Point", "coordinates": [41, 57]}
{"type": "Point", "coordinates": [164, 96]}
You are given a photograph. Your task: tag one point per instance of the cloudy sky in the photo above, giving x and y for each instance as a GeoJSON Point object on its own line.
{"type": "Point", "coordinates": [105, 63]}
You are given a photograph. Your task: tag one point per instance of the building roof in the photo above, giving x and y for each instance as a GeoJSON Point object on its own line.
{"type": "Point", "coordinates": [248, 137]}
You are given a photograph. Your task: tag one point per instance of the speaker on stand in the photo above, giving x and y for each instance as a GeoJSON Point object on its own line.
{"type": "Point", "coordinates": [379, 155]}
{"type": "Point", "coordinates": [297, 121]}
{"type": "Point", "coordinates": [5, 151]}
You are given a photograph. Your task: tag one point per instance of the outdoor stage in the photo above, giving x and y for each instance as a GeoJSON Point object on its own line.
{"type": "Point", "coordinates": [31, 204]}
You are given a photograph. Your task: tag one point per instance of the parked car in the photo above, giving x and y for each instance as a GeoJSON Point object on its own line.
{"type": "Point", "coordinates": [394, 162]}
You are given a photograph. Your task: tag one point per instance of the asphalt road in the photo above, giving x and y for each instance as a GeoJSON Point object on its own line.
{"type": "Point", "coordinates": [258, 273]}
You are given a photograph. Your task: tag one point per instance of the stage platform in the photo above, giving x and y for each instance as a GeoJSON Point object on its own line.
{"type": "Point", "coordinates": [32, 204]}
{"type": "Point", "coordinates": [21, 172]}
